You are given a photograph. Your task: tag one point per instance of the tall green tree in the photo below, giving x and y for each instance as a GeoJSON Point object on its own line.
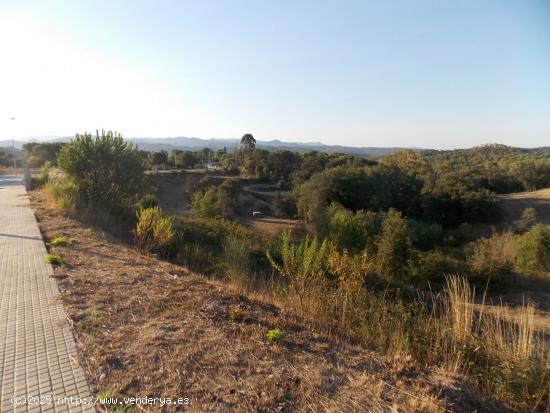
{"type": "Point", "coordinates": [394, 256]}
{"type": "Point", "coordinates": [248, 143]}
{"type": "Point", "coordinates": [106, 171]}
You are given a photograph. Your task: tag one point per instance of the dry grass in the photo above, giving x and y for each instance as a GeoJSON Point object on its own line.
{"type": "Point", "coordinates": [146, 327]}
{"type": "Point", "coordinates": [514, 204]}
{"type": "Point", "coordinates": [275, 226]}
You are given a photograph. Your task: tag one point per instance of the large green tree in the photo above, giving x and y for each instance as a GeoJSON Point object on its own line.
{"type": "Point", "coordinates": [106, 171]}
{"type": "Point", "coordinates": [248, 143]}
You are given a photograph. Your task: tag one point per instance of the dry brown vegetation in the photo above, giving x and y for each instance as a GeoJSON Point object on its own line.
{"type": "Point", "coordinates": [514, 204]}
{"type": "Point", "coordinates": [147, 327]}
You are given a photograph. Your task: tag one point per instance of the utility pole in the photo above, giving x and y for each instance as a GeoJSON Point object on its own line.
{"type": "Point", "coordinates": [13, 147]}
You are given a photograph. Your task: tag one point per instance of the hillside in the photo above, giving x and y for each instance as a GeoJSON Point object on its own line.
{"type": "Point", "coordinates": [146, 327]}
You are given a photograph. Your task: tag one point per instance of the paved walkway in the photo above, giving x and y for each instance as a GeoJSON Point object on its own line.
{"type": "Point", "coordinates": [38, 363]}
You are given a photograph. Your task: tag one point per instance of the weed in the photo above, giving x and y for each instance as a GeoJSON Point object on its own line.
{"type": "Point", "coordinates": [62, 241]}
{"type": "Point", "coordinates": [95, 317]}
{"type": "Point", "coordinates": [114, 403]}
{"type": "Point", "coordinates": [274, 335]}
{"type": "Point", "coordinates": [236, 313]}
{"type": "Point", "coordinates": [80, 325]}
{"type": "Point", "coordinates": [153, 230]}
{"type": "Point", "coordinates": [54, 259]}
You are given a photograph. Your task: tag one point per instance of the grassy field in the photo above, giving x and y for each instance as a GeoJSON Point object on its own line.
{"type": "Point", "coordinates": [514, 204]}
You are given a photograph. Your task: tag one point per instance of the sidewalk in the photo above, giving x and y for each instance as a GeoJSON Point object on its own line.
{"type": "Point", "coordinates": [37, 348]}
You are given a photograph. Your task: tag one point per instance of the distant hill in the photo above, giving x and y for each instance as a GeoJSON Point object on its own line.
{"type": "Point", "coordinates": [193, 144]}
{"type": "Point", "coordinates": [184, 143]}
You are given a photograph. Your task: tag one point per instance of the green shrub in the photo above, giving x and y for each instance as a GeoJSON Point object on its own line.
{"type": "Point", "coordinates": [153, 230]}
{"type": "Point", "coordinates": [303, 264]}
{"type": "Point", "coordinates": [219, 201]}
{"type": "Point", "coordinates": [433, 266]}
{"type": "Point", "coordinates": [64, 193]}
{"type": "Point", "coordinates": [426, 234]}
{"type": "Point", "coordinates": [105, 171]}
{"type": "Point", "coordinates": [527, 220]}
{"type": "Point", "coordinates": [62, 241]}
{"type": "Point", "coordinates": [197, 258]}
{"type": "Point", "coordinates": [148, 201]}
{"type": "Point", "coordinates": [493, 258]}
{"type": "Point", "coordinates": [54, 259]}
{"type": "Point", "coordinates": [274, 335]}
{"type": "Point", "coordinates": [344, 229]}
{"type": "Point", "coordinates": [395, 255]}
{"type": "Point", "coordinates": [42, 179]}
{"type": "Point", "coordinates": [534, 249]}
{"type": "Point", "coordinates": [206, 204]}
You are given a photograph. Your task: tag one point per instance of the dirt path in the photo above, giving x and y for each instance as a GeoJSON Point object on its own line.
{"type": "Point", "coordinates": [149, 328]}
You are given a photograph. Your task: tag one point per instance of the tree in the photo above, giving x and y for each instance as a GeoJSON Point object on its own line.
{"type": "Point", "coordinates": [159, 158]}
{"type": "Point", "coordinates": [107, 172]}
{"type": "Point", "coordinates": [228, 196]}
{"type": "Point", "coordinates": [248, 143]}
{"type": "Point", "coordinates": [394, 254]}
{"type": "Point", "coordinates": [534, 249]}
{"type": "Point", "coordinates": [206, 203]}
{"type": "Point", "coordinates": [187, 159]}
{"type": "Point", "coordinates": [40, 153]}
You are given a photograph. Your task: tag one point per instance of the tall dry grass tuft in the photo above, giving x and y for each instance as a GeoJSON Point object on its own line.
{"type": "Point", "coordinates": [496, 329]}
{"type": "Point", "coordinates": [237, 261]}
{"type": "Point", "coordinates": [458, 304]}
{"type": "Point", "coordinates": [494, 345]}
{"type": "Point", "coordinates": [509, 333]}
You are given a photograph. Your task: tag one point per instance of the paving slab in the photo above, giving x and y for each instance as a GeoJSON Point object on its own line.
{"type": "Point", "coordinates": [39, 369]}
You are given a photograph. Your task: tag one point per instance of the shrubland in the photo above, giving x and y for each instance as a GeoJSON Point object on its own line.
{"type": "Point", "coordinates": [395, 252]}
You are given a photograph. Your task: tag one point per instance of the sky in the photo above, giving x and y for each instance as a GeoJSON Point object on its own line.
{"type": "Point", "coordinates": [426, 74]}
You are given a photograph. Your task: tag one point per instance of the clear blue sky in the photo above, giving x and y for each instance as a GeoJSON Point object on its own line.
{"type": "Point", "coordinates": [440, 74]}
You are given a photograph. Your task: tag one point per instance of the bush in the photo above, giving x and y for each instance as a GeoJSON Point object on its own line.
{"type": "Point", "coordinates": [394, 256]}
{"type": "Point", "coordinates": [197, 258]}
{"type": "Point", "coordinates": [42, 179]}
{"type": "Point", "coordinates": [433, 266]}
{"type": "Point", "coordinates": [344, 230]}
{"type": "Point", "coordinates": [274, 335]}
{"type": "Point", "coordinates": [148, 201]}
{"type": "Point", "coordinates": [64, 192]}
{"type": "Point", "coordinates": [217, 202]}
{"type": "Point", "coordinates": [303, 264]}
{"type": "Point", "coordinates": [105, 171]}
{"type": "Point", "coordinates": [206, 203]}
{"type": "Point", "coordinates": [534, 249]}
{"type": "Point", "coordinates": [493, 258]}
{"type": "Point", "coordinates": [62, 241]}
{"type": "Point", "coordinates": [153, 230]}
{"type": "Point", "coordinates": [426, 235]}
{"type": "Point", "coordinates": [527, 219]}
{"type": "Point", "coordinates": [54, 259]}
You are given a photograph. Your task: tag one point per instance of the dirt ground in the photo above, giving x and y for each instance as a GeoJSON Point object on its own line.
{"type": "Point", "coordinates": [274, 226]}
{"type": "Point", "coordinates": [148, 328]}
{"type": "Point", "coordinates": [514, 204]}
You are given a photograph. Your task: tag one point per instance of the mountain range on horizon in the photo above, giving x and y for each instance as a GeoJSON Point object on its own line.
{"type": "Point", "coordinates": [185, 143]}
{"type": "Point", "coordinates": [194, 144]}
